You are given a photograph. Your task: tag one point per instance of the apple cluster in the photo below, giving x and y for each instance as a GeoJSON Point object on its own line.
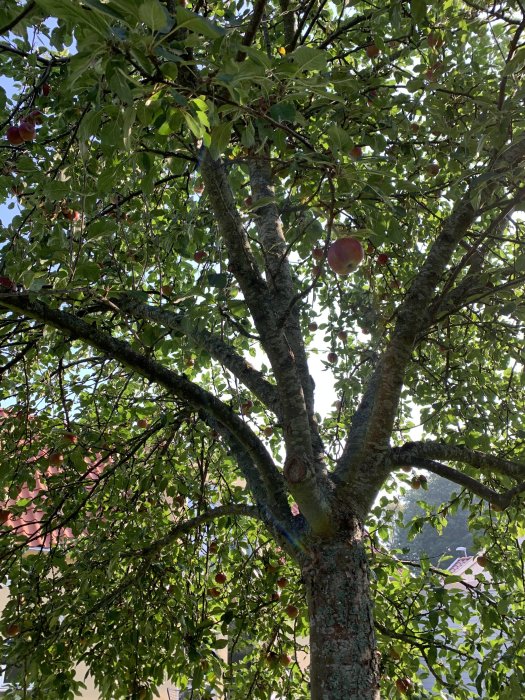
{"type": "Point", "coordinates": [26, 129]}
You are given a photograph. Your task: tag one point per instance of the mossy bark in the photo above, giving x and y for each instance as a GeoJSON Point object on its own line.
{"type": "Point", "coordinates": [344, 662]}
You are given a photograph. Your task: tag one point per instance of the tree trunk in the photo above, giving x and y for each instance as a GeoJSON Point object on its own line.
{"type": "Point", "coordinates": [343, 658]}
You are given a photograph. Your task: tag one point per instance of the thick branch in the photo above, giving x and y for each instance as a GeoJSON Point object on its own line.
{"type": "Point", "coordinates": [372, 424]}
{"type": "Point", "coordinates": [345, 27]}
{"type": "Point", "coordinates": [249, 35]}
{"type": "Point", "coordinates": [288, 8]}
{"type": "Point", "coordinates": [18, 18]}
{"type": "Point", "coordinates": [188, 525]}
{"type": "Point", "coordinates": [453, 453]}
{"type": "Point", "coordinates": [279, 276]}
{"type": "Point", "coordinates": [217, 348]}
{"type": "Point", "coordinates": [374, 419]}
{"type": "Point", "coordinates": [488, 494]}
{"type": "Point", "coordinates": [147, 367]}
{"type": "Point", "coordinates": [450, 297]}
{"type": "Point", "coordinates": [300, 471]}
{"type": "Point", "coordinates": [285, 529]}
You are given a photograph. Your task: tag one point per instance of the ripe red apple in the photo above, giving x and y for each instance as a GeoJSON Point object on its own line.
{"type": "Point", "coordinates": [317, 253]}
{"type": "Point", "coordinates": [12, 630]}
{"type": "Point", "coordinates": [292, 611]}
{"type": "Point", "coordinates": [435, 41]}
{"type": "Point", "coordinates": [220, 577]}
{"type": "Point", "coordinates": [7, 283]}
{"type": "Point", "coordinates": [345, 255]}
{"type": "Point", "coordinates": [272, 659]}
{"type": "Point", "coordinates": [372, 51]}
{"type": "Point", "coordinates": [433, 169]}
{"type": "Point", "coordinates": [404, 685]}
{"type": "Point", "coordinates": [356, 152]}
{"type": "Point", "coordinates": [27, 130]}
{"type": "Point", "coordinates": [35, 117]}
{"type": "Point", "coordinates": [143, 423]}
{"type": "Point", "coordinates": [56, 459]}
{"type": "Point", "coordinates": [382, 259]}
{"type": "Point", "coordinates": [46, 89]}
{"type": "Point", "coordinates": [71, 437]}
{"type": "Point", "coordinates": [268, 431]}
{"type": "Point", "coordinates": [342, 335]}
{"type": "Point", "coordinates": [332, 358]}
{"type": "Point", "coordinates": [415, 483]}
{"type": "Point", "coordinates": [71, 214]}
{"type": "Point", "coordinates": [214, 592]}
{"type": "Point", "coordinates": [285, 659]}
{"type": "Point", "coordinates": [200, 256]}
{"type": "Point", "coordinates": [14, 136]}
{"type": "Point", "coordinates": [275, 596]}
{"type": "Point", "coordinates": [282, 582]}
{"type": "Point", "coordinates": [246, 407]}
{"type": "Point", "coordinates": [312, 327]}
{"type": "Point", "coordinates": [248, 202]}
{"type": "Point", "coordinates": [198, 188]}
{"type": "Point", "coordinates": [213, 547]}
{"type": "Point", "coordinates": [4, 516]}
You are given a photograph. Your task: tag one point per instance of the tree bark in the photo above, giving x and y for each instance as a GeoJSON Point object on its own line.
{"type": "Point", "coordinates": [343, 658]}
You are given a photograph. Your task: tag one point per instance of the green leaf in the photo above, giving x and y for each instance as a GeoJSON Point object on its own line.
{"type": "Point", "coordinates": [418, 10]}
{"type": "Point", "coordinates": [195, 126]}
{"type": "Point", "coordinates": [307, 58]}
{"type": "Point", "coordinates": [519, 263]}
{"type": "Point", "coordinates": [220, 138]}
{"type": "Point", "coordinates": [283, 112]}
{"type": "Point", "coordinates": [105, 9]}
{"type": "Point", "coordinates": [128, 120]}
{"type": "Point", "coordinates": [154, 15]}
{"type": "Point", "coordinates": [197, 24]}
{"type": "Point", "coordinates": [220, 643]}
{"type": "Point", "coordinates": [89, 271]}
{"type": "Point", "coordinates": [217, 279]}
{"type": "Point", "coordinates": [339, 138]}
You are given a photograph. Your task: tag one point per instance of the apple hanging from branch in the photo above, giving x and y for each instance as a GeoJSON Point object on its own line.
{"type": "Point", "coordinates": [345, 255]}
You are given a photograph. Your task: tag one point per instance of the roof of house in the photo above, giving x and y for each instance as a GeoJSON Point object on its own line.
{"type": "Point", "coordinates": [32, 524]}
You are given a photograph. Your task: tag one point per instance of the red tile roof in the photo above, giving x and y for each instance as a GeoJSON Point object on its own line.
{"type": "Point", "coordinates": [32, 525]}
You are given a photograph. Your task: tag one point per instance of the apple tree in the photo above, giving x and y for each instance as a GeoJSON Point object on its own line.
{"type": "Point", "coordinates": [180, 184]}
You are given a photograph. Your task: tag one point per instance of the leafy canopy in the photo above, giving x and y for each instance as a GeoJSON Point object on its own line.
{"type": "Point", "coordinates": [107, 219]}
